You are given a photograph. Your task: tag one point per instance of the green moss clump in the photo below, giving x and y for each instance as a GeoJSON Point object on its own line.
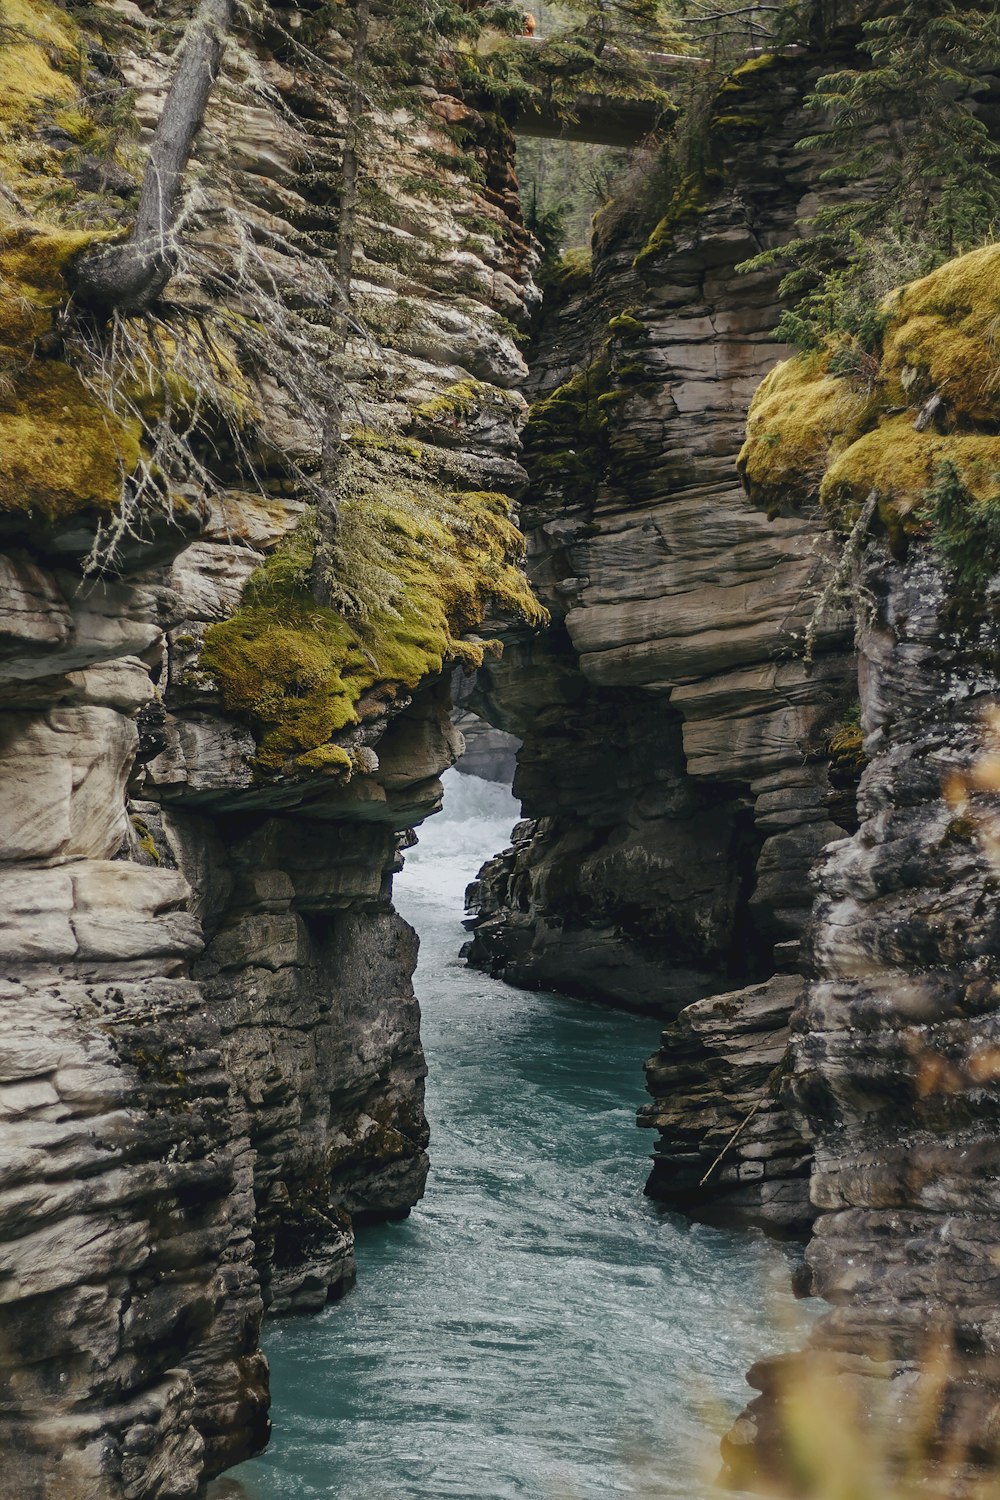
{"type": "Point", "coordinates": [34, 260]}
{"type": "Point", "coordinates": [61, 450]}
{"type": "Point", "coordinates": [692, 196]}
{"type": "Point", "coordinates": [333, 760]}
{"type": "Point", "coordinates": [900, 464]}
{"type": "Point", "coordinates": [942, 338]}
{"type": "Point", "coordinates": [38, 51]}
{"type": "Point", "coordinates": [144, 837]}
{"type": "Point", "coordinates": [572, 273]}
{"type": "Point", "coordinates": [627, 325]}
{"type": "Point", "coordinates": [749, 70]}
{"type": "Point", "coordinates": [438, 563]}
{"type": "Point", "coordinates": [800, 417]}
{"type": "Point", "coordinates": [455, 404]}
{"type": "Point", "coordinates": [841, 423]}
{"type": "Point", "coordinates": [741, 124]}
{"type": "Point", "coordinates": [290, 667]}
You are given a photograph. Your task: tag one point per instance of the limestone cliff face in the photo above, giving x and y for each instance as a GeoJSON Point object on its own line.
{"type": "Point", "coordinates": [676, 769]}
{"type": "Point", "coordinates": [892, 1073]}
{"type": "Point", "coordinates": [210, 1062]}
{"type": "Point", "coordinates": [894, 1062]}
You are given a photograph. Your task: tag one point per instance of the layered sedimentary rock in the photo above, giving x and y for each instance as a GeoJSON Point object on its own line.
{"type": "Point", "coordinates": [728, 1147]}
{"type": "Point", "coordinates": [210, 1062]}
{"type": "Point", "coordinates": [678, 719]}
{"type": "Point", "coordinates": [893, 1072]}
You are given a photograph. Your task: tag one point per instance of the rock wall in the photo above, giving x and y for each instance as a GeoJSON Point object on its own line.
{"type": "Point", "coordinates": [676, 774]}
{"type": "Point", "coordinates": [210, 1064]}
{"type": "Point", "coordinates": [894, 1068]}
{"type": "Point", "coordinates": [892, 1075]}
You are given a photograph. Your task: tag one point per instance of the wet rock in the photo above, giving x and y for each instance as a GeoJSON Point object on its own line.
{"type": "Point", "coordinates": [728, 1148]}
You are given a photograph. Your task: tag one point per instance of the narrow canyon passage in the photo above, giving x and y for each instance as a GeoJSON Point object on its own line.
{"type": "Point", "coordinates": [536, 1328]}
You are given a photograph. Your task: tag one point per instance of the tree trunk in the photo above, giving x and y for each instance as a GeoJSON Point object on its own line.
{"type": "Point", "coordinates": [130, 277]}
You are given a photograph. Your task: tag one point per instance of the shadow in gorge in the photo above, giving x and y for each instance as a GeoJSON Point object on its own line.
{"type": "Point", "coordinates": [536, 1327]}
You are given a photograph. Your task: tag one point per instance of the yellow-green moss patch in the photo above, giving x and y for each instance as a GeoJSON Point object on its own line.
{"type": "Point", "coordinates": [61, 452]}
{"type": "Point", "coordinates": [943, 338]}
{"type": "Point", "coordinates": [38, 48]}
{"type": "Point", "coordinates": [800, 416]}
{"type": "Point", "coordinates": [460, 403]}
{"type": "Point", "coordinates": [437, 565]}
{"type": "Point", "coordinates": [572, 273]}
{"type": "Point", "coordinates": [900, 464]}
{"type": "Point", "coordinates": [34, 260]}
{"type": "Point", "coordinates": [812, 428]}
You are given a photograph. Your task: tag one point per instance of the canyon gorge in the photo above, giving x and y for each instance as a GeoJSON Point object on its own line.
{"type": "Point", "coordinates": [688, 574]}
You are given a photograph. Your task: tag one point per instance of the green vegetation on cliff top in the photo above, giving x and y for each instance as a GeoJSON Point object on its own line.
{"type": "Point", "coordinates": [62, 450]}
{"type": "Point", "coordinates": [841, 421]}
{"type": "Point", "coordinates": [417, 568]}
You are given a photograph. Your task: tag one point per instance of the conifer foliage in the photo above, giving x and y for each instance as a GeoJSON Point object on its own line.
{"type": "Point", "coordinates": [909, 121]}
{"type": "Point", "coordinates": [914, 155]}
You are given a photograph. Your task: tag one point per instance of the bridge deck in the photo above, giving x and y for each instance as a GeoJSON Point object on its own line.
{"type": "Point", "coordinates": [603, 120]}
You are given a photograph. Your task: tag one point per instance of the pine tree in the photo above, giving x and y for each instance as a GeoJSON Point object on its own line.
{"type": "Point", "coordinates": [909, 122]}
{"type": "Point", "coordinates": [908, 136]}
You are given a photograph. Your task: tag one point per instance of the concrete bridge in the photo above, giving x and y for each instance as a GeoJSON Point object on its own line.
{"type": "Point", "coordinates": [603, 120]}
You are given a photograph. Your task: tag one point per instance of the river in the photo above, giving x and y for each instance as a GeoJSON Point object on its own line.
{"type": "Point", "coordinates": [536, 1329]}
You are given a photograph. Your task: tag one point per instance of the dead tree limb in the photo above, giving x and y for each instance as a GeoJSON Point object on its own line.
{"type": "Point", "coordinates": [129, 277]}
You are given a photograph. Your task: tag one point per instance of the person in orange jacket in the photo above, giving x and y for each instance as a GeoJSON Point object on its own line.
{"type": "Point", "coordinates": [530, 24]}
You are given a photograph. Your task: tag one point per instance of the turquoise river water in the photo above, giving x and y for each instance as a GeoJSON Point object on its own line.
{"type": "Point", "coordinates": [536, 1329]}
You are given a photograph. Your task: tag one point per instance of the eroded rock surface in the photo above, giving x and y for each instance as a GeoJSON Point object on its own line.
{"type": "Point", "coordinates": [210, 1063]}
{"type": "Point", "coordinates": [676, 774]}
{"type": "Point", "coordinates": [892, 1072]}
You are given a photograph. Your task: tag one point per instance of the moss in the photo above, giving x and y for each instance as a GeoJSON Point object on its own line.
{"type": "Point", "coordinates": [943, 338]}
{"type": "Point", "coordinates": [901, 463]}
{"type": "Point", "coordinates": [39, 39]}
{"type": "Point", "coordinates": [61, 452]}
{"type": "Point", "coordinates": [738, 78]}
{"type": "Point", "coordinates": [296, 670]}
{"type": "Point", "coordinates": [692, 196]}
{"type": "Point", "coordinates": [826, 423]}
{"type": "Point", "coordinates": [34, 260]}
{"type": "Point", "coordinates": [741, 124]}
{"type": "Point", "coordinates": [626, 325]}
{"type": "Point", "coordinates": [461, 402]}
{"type": "Point", "coordinates": [334, 760]}
{"type": "Point", "coordinates": [144, 837]}
{"type": "Point", "coordinates": [800, 416]}
{"type": "Point", "coordinates": [455, 404]}
{"type": "Point", "coordinates": [571, 274]}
